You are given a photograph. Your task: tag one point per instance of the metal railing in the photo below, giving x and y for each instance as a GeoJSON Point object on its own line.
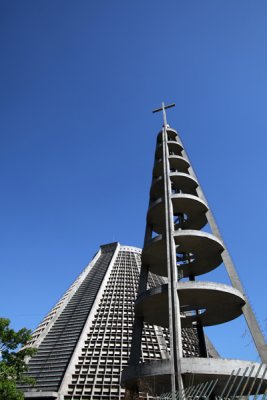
{"type": "Point", "coordinates": [238, 386]}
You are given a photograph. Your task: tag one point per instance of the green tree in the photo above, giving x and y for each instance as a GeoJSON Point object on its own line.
{"type": "Point", "coordinates": [12, 360]}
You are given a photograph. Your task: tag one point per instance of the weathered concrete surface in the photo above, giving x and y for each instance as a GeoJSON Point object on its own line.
{"type": "Point", "coordinates": [178, 163]}
{"type": "Point", "coordinates": [180, 181]}
{"type": "Point", "coordinates": [172, 135]}
{"type": "Point", "coordinates": [205, 247]}
{"type": "Point", "coordinates": [41, 395]}
{"type": "Point", "coordinates": [173, 147]}
{"type": "Point", "coordinates": [220, 303]}
{"type": "Point", "coordinates": [156, 375]}
{"type": "Point", "coordinates": [193, 207]}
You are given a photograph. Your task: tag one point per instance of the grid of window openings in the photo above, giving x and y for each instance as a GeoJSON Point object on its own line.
{"type": "Point", "coordinates": [106, 349]}
{"type": "Point", "coordinates": [49, 364]}
{"type": "Point", "coordinates": [48, 321]}
{"type": "Point", "coordinates": [52, 314]}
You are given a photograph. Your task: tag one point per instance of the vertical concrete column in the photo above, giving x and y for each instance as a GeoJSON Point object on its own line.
{"type": "Point", "coordinates": [200, 331]}
{"type": "Point", "coordinates": [173, 300]}
{"type": "Point", "coordinates": [248, 313]}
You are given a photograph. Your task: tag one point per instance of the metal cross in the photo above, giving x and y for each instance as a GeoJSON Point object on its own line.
{"type": "Point", "coordinates": [163, 108]}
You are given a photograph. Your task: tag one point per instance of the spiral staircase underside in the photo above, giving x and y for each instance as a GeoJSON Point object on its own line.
{"type": "Point", "coordinates": [156, 375]}
{"type": "Point", "coordinates": [176, 248]}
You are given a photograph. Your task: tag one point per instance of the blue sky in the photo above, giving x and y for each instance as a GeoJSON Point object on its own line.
{"type": "Point", "coordinates": [78, 81]}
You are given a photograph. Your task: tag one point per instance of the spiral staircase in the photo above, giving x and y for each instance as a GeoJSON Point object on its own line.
{"type": "Point", "coordinates": [176, 247]}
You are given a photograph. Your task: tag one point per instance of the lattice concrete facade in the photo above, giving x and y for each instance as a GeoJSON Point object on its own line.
{"type": "Point", "coordinates": [84, 342]}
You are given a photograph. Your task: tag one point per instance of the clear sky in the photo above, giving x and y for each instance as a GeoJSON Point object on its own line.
{"type": "Point", "coordinates": [78, 81]}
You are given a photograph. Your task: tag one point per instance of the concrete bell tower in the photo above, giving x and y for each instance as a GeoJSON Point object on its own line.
{"type": "Point", "coordinates": [178, 249]}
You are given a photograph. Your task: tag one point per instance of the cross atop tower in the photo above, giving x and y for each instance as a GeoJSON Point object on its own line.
{"type": "Point", "coordinates": [163, 108]}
